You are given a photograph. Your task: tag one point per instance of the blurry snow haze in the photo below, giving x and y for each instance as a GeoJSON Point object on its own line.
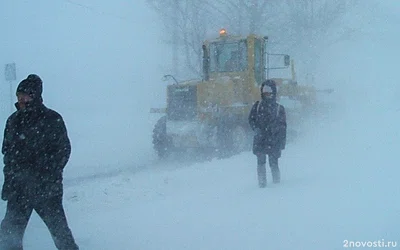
{"type": "Point", "coordinates": [102, 62]}
{"type": "Point", "coordinates": [99, 61]}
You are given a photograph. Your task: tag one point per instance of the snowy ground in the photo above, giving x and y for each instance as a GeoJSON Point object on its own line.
{"type": "Point", "coordinates": [339, 180]}
{"type": "Point", "coordinates": [326, 197]}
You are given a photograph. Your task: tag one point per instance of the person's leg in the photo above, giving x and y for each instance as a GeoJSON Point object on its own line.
{"type": "Point", "coordinates": [261, 170]}
{"type": "Point", "coordinates": [13, 225]}
{"type": "Point", "coordinates": [273, 164]}
{"type": "Point", "coordinates": [52, 213]}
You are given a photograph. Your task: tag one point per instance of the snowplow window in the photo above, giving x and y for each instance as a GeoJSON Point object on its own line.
{"type": "Point", "coordinates": [228, 56]}
{"type": "Point", "coordinates": [258, 61]}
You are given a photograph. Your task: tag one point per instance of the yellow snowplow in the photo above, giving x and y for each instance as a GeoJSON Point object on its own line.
{"type": "Point", "coordinates": [212, 113]}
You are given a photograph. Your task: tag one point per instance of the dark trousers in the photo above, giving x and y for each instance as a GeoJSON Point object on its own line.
{"type": "Point", "coordinates": [272, 160]}
{"type": "Point", "coordinates": [18, 213]}
{"type": "Point", "coordinates": [262, 171]}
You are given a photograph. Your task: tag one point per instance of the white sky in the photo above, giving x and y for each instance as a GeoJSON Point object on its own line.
{"type": "Point", "coordinates": [340, 179]}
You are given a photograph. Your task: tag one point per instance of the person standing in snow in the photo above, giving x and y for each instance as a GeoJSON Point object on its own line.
{"type": "Point", "coordinates": [36, 149]}
{"type": "Point", "coordinates": [267, 118]}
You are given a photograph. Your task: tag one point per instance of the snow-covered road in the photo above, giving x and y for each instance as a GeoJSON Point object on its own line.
{"type": "Point", "coordinates": [340, 179]}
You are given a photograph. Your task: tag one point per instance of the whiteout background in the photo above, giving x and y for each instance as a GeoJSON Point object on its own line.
{"type": "Point", "coordinates": [102, 73]}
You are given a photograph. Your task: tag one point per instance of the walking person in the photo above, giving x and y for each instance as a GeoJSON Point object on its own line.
{"type": "Point", "coordinates": [267, 118]}
{"type": "Point", "coordinates": [36, 149]}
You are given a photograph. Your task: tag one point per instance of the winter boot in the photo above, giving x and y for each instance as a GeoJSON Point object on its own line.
{"type": "Point", "coordinates": [276, 175]}
{"type": "Point", "coordinates": [262, 176]}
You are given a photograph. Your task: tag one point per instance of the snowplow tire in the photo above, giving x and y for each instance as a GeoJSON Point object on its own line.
{"type": "Point", "coordinates": [161, 142]}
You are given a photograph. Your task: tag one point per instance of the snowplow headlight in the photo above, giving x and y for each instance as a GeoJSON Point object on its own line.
{"type": "Point", "coordinates": [222, 32]}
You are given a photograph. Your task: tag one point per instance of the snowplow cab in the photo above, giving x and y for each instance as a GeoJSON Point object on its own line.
{"type": "Point", "coordinates": [212, 113]}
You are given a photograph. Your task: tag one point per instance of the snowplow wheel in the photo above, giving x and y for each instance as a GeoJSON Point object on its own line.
{"type": "Point", "coordinates": [161, 142]}
{"type": "Point", "coordinates": [231, 138]}
{"type": "Point", "coordinates": [240, 139]}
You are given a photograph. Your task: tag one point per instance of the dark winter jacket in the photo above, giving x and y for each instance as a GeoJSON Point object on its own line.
{"type": "Point", "coordinates": [268, 121]}
{"type": "Point", "coordinates": [36, 149]}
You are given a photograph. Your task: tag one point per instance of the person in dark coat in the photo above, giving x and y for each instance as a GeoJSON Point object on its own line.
{"type": "Point", "coordinates": [36, 149]}
{"type": "Point", "coordinates": [267, 118]}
